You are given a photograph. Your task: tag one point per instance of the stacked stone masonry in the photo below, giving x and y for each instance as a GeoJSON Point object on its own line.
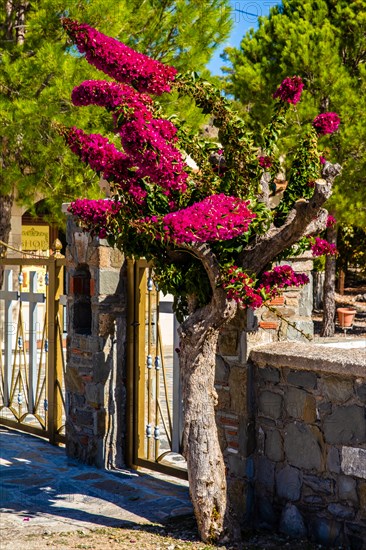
{"type": "Point", "coordinates": [310, 456]}
{"type": "Point", "coordinates": [96, 350]}
{"type": "Point", "coordinates": [233, 380]}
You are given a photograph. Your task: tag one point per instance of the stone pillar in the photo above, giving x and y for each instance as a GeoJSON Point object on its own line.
{"type": "Point", "coordinates": [96, 350]}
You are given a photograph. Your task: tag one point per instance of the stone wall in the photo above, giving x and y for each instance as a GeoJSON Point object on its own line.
{"type": "Point", "coordinates": [309, 404]}
{"type": "Point", "coordinates": [233, 379]}
{"type": "Point", "coordinates": [96, 350]}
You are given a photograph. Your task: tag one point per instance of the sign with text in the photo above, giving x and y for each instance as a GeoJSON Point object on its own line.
{"type": "Point", "coordinates": [35, 237]}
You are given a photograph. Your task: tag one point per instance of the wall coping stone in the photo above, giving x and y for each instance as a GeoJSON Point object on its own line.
{"type": "Point", "coordinates": [301, 356]}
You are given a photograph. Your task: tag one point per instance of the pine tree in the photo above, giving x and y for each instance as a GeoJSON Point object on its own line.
{"type": "Point", "coordinates": [38, 66]}
{"type": "Point", "coordinates": [324, 42]}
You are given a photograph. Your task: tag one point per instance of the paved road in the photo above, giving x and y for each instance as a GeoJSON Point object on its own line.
{"type": "Point", "coordinates": [43, 490]}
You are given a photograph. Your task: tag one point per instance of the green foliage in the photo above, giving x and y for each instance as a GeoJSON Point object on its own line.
{"type": "Point", "coordinates": [37, 77]}
{"type": "Point", "coordinates": [241, 175]}
{"type": "Point", "coordinates": [324, 42]}
{"type": "Point", "coordinates": [352, 247]}
{"type": "Point", "coordinates": [319, 263]}
{"type": "Point", "coordinates": [305, 168]}
{"type": "Point", "coordinates": [182, 280]}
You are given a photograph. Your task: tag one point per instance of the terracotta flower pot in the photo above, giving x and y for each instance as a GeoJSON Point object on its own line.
{"type": "Point", "coordinates": [346, 316]}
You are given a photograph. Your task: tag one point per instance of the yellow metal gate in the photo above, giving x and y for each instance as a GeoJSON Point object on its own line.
{"type": "Point", "coordinates": [32, 345]}
{"type": "Point", "coordinates": [154, 404]}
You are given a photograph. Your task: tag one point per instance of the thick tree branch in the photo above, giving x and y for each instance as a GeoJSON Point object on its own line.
{"type": "Point", "coordinates": [319, 224]}
{"type": "Point", "coordinates": [203, 252]}
{"type": "Point", "coordinates": [302, 220]}
{"type": "Point", "coordinates": [219, 301]}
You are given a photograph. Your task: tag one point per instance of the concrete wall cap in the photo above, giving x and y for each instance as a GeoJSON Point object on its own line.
{"type": "Point", "coordinates": [311, 357]}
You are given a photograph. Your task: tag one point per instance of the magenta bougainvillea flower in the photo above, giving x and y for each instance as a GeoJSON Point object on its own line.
{"type": "Point", "coordinates": [321, 247]}
{"type": "Point", "coordinates": [95, 213]}
{"type": "Point", "coordinates": [290, 90]}
{"type": "Point", "coordinates": [149, 142]}
{"type": "Point", "coordinates": [119, 61]}
{"type": "Point", "coordinates": [109, 95]}
{"type": "Point", "coordinates": [323, 160]}
{"type": "Point", "coordinates": [150, 146]}
{"type": "Point", "coordinates": [101, 155]}
{"type": "Point", "coordinates": [282, 276]}
{"type": "Point", "coordinates": [265, 162]}
{"type": "Point", "coordinates": [326, 123]}
{"type": "Point", "coordinates": [240, 287]}
{"type": "Point", "coordinates": [148, 155]}
{"type": "Point", "coordinates": [331, 220]}
{"type": "Point", "coordinates": [216, 218]}
{"type": "Point", "coordinates": [247, 293]}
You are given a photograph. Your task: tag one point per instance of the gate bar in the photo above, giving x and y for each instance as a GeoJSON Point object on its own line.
{"type": "Point", "coordinates": [8, 295]}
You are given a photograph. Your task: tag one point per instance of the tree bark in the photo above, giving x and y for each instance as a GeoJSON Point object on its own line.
{"type": "Point", "coordinates": [21, 9]}
{"type": "Point", "coordinates": [206, 469]}
{"type": "Point", "coordinates": [329, 288]}
{"type": "Point", "coordinates": [306, 218]}
{"type": "Point", "coordinates": [318, 291]}
{"type": "Point", "coordinates": [6, 203]}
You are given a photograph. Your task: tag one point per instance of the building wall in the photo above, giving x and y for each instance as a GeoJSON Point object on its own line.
{"type": "Point", "coordinates": [309, 463]}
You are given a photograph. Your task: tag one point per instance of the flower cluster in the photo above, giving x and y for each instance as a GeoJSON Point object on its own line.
{"type": "Point", "coordinates": [163, 166]}
{"type": "Point", "coordinates": [326, 123]}
{"type": "Point", "coordinates": [119, 61]}
{"type": "Point", "coordinates": [290, 90]}
{"type": "Point", "coordinates": [101, 155]}
{"type": "Point", "coordinates": [149, 145]}
{"type": "Point", "coordinates": [95, 213]}
{"type": "Point", "coordinates": [247, 293]}
{"type": "Point", "coordinates": [216, 218]}
{"type": "Point", "coordinates": [109, 95]}
{"type": "Point", "coordinates": [282, 276]}
{"type": "Point", "coordinates": [321, 247]}
{"type": "Point", "coordinates": [148, 141]}
{"type": "Point", "coordinates": [265, 162]}
{"type": "Point", "coordinates": [331, 220]}
{"type": "Point", "coordinates": [240, 287]}
{"type": "Point", "coordinates": [323, 160]}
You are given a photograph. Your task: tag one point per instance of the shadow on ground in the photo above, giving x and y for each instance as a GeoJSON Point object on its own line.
{"type": "Point", "coordinates": [41, 486]}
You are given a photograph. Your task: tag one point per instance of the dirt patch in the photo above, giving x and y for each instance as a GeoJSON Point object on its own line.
{"type": "Point", "coordinates": [177, 534]}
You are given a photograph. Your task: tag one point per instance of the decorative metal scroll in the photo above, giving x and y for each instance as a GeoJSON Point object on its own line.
{"type": "Point", "coordinates": [32, 361]}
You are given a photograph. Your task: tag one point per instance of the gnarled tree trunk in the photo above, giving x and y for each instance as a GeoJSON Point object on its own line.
{"type": "Point", "coordinates": [201, 448]}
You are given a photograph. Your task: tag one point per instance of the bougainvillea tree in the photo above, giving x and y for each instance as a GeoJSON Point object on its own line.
{"type": "Point", "coordinates": [216, 242]}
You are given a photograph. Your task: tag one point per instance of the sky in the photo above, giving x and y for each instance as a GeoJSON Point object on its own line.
{"type": "Point", "coordinates": [245, 16]}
